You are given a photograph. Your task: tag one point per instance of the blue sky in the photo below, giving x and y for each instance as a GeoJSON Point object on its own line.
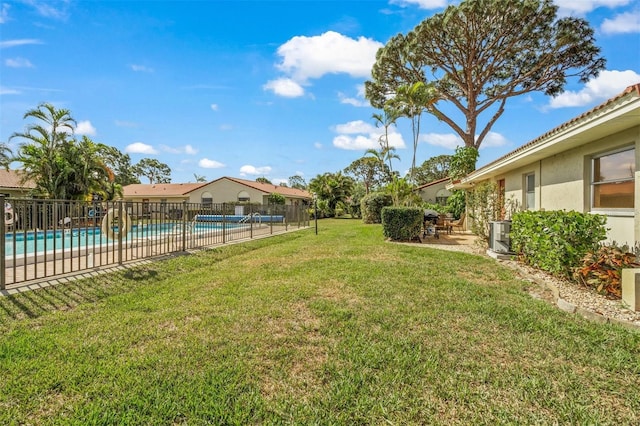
{"type": "Point", "coordinates": [257, 88]}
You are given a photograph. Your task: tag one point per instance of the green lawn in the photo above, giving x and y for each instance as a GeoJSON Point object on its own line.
{"type": "Point", "coordinates": [338, 328]}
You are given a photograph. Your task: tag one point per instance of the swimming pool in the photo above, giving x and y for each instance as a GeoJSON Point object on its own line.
{"type": "Point", "coordinates": [30, 242]}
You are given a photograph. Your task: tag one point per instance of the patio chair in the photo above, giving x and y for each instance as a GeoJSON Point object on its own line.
{"type": "Point", "coordinates": [458, 224]}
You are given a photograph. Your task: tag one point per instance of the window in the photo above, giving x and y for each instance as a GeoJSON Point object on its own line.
{"type": "Point", "coordinates": [243, 196]}
{"type": "Point", "coordinates": [530, 191]}
{"type": "Point", "coordinates": [206, 200]}
{"type": "Point", "coordinates": [613, 183]}
{"type": "Point", "coordinates": [441, 196]}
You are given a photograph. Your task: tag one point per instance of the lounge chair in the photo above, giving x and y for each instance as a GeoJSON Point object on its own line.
{"type": "Point", "coordinates": [459, 224]}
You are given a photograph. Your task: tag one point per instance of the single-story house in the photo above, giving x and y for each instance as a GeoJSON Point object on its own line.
{"type": "Point", "coordinates": [588, 164]}
{"type": "Point", "coordinates": [11, 184]}
{"type": "Point", "coordinates": [222, 190]}
{"type": "Point", "coordinates": [435, 192]}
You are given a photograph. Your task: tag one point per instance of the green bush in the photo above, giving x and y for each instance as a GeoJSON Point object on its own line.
{"type": "Point", "coordinates": [371, 206]}
{"type": "Point", "coordinates": [556, 241]}
{"type": "Point", "coordinates": [402, 223]}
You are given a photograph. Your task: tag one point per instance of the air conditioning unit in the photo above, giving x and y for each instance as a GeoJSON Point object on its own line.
{"type": "Point", "coordinates": [499, 241]}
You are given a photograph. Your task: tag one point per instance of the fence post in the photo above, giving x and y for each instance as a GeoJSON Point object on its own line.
{"type": "Point", "coordinates": [224, 221]}
{"type": "Point", "coordinates": [120, 213]}
{"type": "Point", "coordinates": [250, 220]}
{"type": "Point", "coordinates": [3, 228]}
{"type": "Point", "coordinates": [184, 225]}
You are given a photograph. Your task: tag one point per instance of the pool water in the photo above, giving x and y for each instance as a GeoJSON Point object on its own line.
{"type": "Point", "coordinates": [38, 242]}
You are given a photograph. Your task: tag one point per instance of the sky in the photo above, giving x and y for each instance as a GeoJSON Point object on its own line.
{"type": "Point", "coordinates": [254, 89]}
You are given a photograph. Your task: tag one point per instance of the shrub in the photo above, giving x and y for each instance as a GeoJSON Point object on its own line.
{"type": "Point", "coordinates": [556, 241]}
{"type": "Point", "coordinates": [402, 223]}
{"type": "Point", "coordinates": [602, 270]}
{"type": "Point", "coordinates": [371, 206]}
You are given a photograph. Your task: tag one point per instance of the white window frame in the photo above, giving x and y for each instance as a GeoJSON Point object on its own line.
{"type": "Point", "coordinates": [529, 191]}
{"type": "Point", "coordinates": [593, 182]}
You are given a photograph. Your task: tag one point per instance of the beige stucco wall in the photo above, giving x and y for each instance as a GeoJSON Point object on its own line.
{"type": "Point", "coordinates": [224, 191]}
{"type": "Point", "coordinates": [563, 182]}
{"type": "Point", "coordinates": [429, 193]}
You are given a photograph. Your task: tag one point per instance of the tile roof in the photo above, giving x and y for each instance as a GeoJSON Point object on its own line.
{"type": "Point", "coordinates": [629, 90]}
{"type": "Point", "coordinates": [183, 189]}
{"type": "Point", "coordinates": [12, 179]}
{"type": "Point", "coordinates": [161, 189]}
{"type": "Point", "coordinates": [269, 188]}
{"type": "Point", "coordinates": [433, 182]}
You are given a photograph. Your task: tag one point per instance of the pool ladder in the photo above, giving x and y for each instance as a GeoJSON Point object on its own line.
{"type": "Point", "coordinates": [249, 217]}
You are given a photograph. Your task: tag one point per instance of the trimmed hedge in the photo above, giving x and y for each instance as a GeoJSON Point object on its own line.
{"type": "Point", "coordinates": [556, 241]}
{"type": "Point", "coordinates": [402, 223]}
{"type": "Point", "coordinates": [371, 206]}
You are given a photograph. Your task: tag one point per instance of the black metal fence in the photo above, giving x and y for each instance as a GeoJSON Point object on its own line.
{"type": "Point", "coordinates": [43, 239]}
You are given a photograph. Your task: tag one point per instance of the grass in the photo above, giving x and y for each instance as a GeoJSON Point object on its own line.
{"type": "Point", "coordinates": [338, 328]}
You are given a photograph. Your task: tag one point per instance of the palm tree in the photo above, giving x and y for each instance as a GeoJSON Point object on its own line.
{"type": "Point", "coordinates": [332, 188]}
{"type": "Point", "coordinates": [386, 119]}
{"type": "Point", "coordinates": [412, 101]}
{"type": "Point", "coordinates": [5, 155]}
{"type": "Point", "coordinates": [40, 156]}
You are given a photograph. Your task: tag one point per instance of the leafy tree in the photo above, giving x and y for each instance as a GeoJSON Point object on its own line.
{"type": "Point", "coordinates": [463, 162]}
{"type": "Point", "coordinates": [332, 188]}
{"type": "Point", "coordinates": [402, 193]}
{"type": "Point", "coordinates": [85, 172]}
{"type": "Point", "coordinates": [263, 180]}
{"type": "Point", "coordinates": [153, 170]}
{"type": "Point", "coordinates": [297, 181]}
{"type": "Point", "coordinates": [42, 155]}
{"type": "Point", "coordinates": [368, 170]}
{"type": "Point", "coordinates": [120, 165]}
{"type": "Point", "coordinates": [275, 198]}
{"type": "Point", "coordinates": [480, 53]}
{"type": "Point", "coordinates": [434, 168]}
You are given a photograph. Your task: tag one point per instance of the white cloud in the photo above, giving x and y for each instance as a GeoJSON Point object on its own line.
{"type": "Point", "coordinates": [493, 140]}
{"type": "Point", "coordinates": [18, 63]}
{"type": "Point", "coordinates": [214, 107]}
{"type": "Point", "coordinates": [278, 181]}
{"type": "Point", "coordinates": [85, 128]}
{"type": "Point", "coordinates": [8, 91]}
{"type": "Point", "coordinates": [422, 4]}
{"type": "Point", "coordinates": [47, 10]}
{"type": "Point", "coordinates": [205, 163]}
{"type": "Point", "coordinates": [444, 140]}
{"type": "Point", "coordinates": [452, 141]}
{"type": "Point", "coordinates": [4, 13]}
{"type": "Point", "coordinates": [225, 127]}
{"type": "Point", "coordinates": [359, 135]}
{"type": "Point", "coordinates": [318, 145]}
{"type": "Point", "coordinates": [358, 101]}
{"type": "Point", "coordinates": [187, 149]}
{"type": "Point", "coordinates": [304, 57]}
{"type": "Point", "coordinates": [18, 42]}
{"type": "Point", "coordinates": [255, 171]}
{"type": "Point", "coordinates": [121, 123]}
{"type": "Point", "coordinates": [582, 7]}
{"type": "Point", "coordinates": [299, 173]}
{"type": "Point", "coordinates": [628, 22]}
{"type": "Point", "coordinates": [140, 148]}
{"type": "Point", "coordinates": [284, 87]}
{"type": "Point", "coordinates": [605, 86]}
{"type": "Point", "coordinates": [141, 68]}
